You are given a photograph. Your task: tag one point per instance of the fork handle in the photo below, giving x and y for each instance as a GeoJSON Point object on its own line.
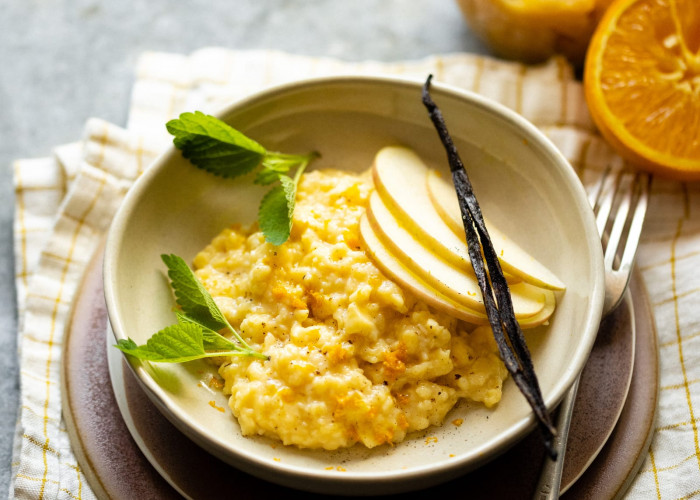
{"type": "Point", "coordinates": [549, 483]}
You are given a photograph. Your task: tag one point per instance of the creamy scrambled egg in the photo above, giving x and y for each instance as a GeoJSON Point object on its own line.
{"type": "Point", "coordinates": [353, 357]}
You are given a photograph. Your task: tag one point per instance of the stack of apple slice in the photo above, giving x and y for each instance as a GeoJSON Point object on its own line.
{"type": "Point", "coordinates": [413, 230]}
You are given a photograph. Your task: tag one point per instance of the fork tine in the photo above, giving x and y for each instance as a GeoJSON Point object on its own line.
{"type": "Point", "coordinates": [625, 188]}
{"type": "Point", "coordinates": [643, 186]}
{"type": "Point", "coordinates": [604, 203]}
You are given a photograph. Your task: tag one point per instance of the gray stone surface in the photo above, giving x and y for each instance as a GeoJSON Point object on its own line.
{"type": "Point", "coordinates": [64, 61]}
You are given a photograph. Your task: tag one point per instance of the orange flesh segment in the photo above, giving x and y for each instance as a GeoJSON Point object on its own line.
{"type": "Point", "coordinates": [646, 62]}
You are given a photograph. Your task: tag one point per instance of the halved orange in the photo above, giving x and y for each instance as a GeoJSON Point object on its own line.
{"type": "Point", "coordinates": [642, 84]}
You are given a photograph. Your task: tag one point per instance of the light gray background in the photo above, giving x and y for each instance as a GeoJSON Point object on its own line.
{"type": "Point", "coordinates": [64, 61]}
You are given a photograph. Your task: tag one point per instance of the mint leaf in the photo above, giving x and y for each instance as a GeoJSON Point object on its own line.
{"type": "Point", "coordinates": [283, 163]}
{"type": "Point", "coordinates": [191, 295]}
{"type": "Point", "coordinates": [174, 344]}
{"type": "Point", "coordinates": [214, 146]}
{"type": "Point", "coordinates": [199, 307]}
{"type": "Point", "coordinates": [276, 210]}
{"type": "Point", "coordinates": [275, 164]}
{"type": "Point", "coordinates": [194, 336]}
{"type": "Point", "coordinates": [267, 176]}
{"type": "Point", "coordinates": [211, 340]}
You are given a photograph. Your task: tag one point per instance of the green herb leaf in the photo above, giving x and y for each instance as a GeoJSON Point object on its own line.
{"type": "Point", "coordinates": [214, 146]}
{"type": "Point", "coordinates": [194, 336]}
{"type": "Point", "coordinates": [275, 164]}
{"type": "Point", "coordinates": [174, 344]}
{"type": "Point", "coordinates": [283, 163]}
{"type": "Point", "coordinates": [276, 211]}
{"type": "Point", "coordinates": [211, 340]}
{"type": "Point", "coordinates": [267, 176]}
{"type": "Point", "coordinates": [199, 307]}
{"type": "Point", "coordinates": [191, 295]}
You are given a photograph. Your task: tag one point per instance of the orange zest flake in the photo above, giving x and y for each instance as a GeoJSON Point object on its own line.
{"type": "Point", "coordinates": [279, 292]}
{"type": "Point", "coordinates": [282, 294]}
{"type": "Point", "coordinates": [297, 303]}
{"type": "Point", "coordinates": [394, 362]}
{"type": "Point", "coordinates": [385, 437]}
{"type": "Point", "coordinates": [431, 440]}
{"type": "Point", "coordinates": [216, 383]}
{"type": "Point", "coordinates": [336, 354]}
{"type": "Point", "coordinates": [457, 422]}
{"type": "Point", "coordinates": [352, 241]}
{"type": "Point", "coordinates": [348, 404]}
{"type": "Point", "coordinates": [338, 468]}
{"type": "Point", "coordinates": [402, 399]}
{"type": "Point", "coordinates": [402, 421]}
{"type": "Point", "coordinates": [213, 405]}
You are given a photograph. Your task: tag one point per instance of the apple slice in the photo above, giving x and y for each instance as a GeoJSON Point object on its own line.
{"type": "Point", "coordinates": [514, 260]}
{"type": "Point", "coordinates": [400, 178]}
{"type": "Point", "coordinates": [394, 269]}
{"type": "Point", "coordinates": [456, 282]}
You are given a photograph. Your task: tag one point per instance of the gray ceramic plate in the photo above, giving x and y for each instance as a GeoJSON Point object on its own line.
{"type": "Point", "coordinates": [525, 187]}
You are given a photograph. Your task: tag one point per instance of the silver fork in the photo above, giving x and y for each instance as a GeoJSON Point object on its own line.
{"type": "Point", "coordinates": [620, 203]}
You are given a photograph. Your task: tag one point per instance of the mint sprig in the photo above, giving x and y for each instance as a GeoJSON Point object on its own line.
{"type": "Point", "coordinates": [195, 334]}
{"type": "Point", "coordinates": [212, 145]}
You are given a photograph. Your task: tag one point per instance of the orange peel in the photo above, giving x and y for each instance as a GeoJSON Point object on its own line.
{"type": "Point", "coordinates": [642, 84]}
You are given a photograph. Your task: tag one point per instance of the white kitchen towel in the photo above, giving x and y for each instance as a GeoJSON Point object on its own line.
{"type": "Point", "coordinates": [65, 203]}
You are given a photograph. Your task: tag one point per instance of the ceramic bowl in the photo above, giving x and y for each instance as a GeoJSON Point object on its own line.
{"type": "Point", "coordinates": [525, 187]}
